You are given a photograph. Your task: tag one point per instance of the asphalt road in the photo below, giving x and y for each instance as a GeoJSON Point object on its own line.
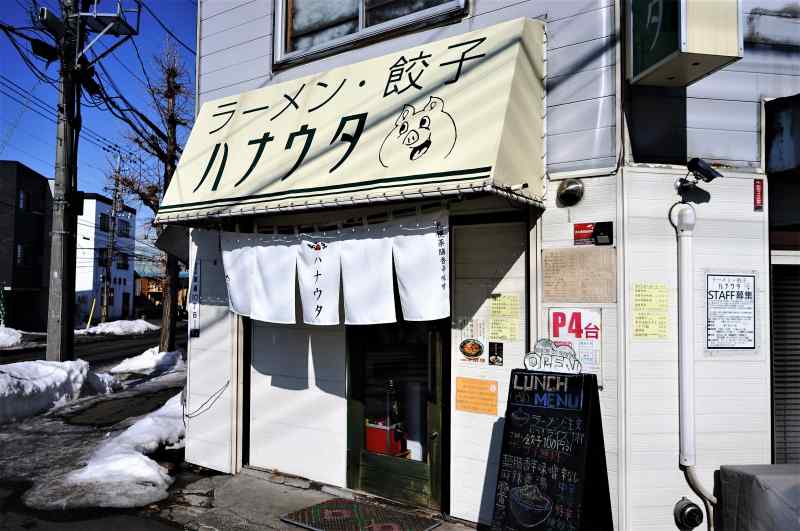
{"type": "Point", "coordinates": [99, 348]}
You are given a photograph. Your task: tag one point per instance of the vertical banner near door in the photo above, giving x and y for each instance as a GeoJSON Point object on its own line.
{"type": "Point", "coordinates": [194, 298]}
{"type": "Point", "coordinates": [731, 312]}
{"type": "Point", "coordinates": [273, 280]}
{"type": "Point", "coordinates": [581, 329]}
{"type": "Point", "coordinates": [367, 280]}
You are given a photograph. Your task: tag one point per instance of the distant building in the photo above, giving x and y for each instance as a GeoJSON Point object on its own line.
{"type": "Point", "coordinates": [94, 232]}
{"type": "Point", "coordinates": [24, 245]}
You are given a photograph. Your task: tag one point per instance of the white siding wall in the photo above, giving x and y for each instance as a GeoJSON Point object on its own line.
{"type": "Point", "coordinates": [298, 404]}
{"type": "Point", "coordinates": [723, 110]}
{"type": "Point", "coordinates": [487, 259]}
{"type": "Point", "coordinates": [236, 55]}
{"type": "Point", "coordinates": [556, 229]}
{"type": "Point", "coordinates": [212, 369]}
{"type": "Point", "coordinates": [732, 391]}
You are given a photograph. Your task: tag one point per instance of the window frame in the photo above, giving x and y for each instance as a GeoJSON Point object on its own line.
{"type": "Point", "coordinates": [281, 58]}
{"type": "Point", "coordinates": [123, 228]}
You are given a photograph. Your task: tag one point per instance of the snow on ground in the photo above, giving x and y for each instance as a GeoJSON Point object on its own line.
{"type": "Point", "coordinates": [9, 337]}
{"type": "Point", "coordinates": [119, 328]}
{"type": "Point", "coordinates": [119, 474]}
{"type": "Point", "coordinates": [30, 387]}
{"type": "Point", "coordinates": [149, 362]}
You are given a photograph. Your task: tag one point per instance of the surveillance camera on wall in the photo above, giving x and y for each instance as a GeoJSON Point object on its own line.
{"type": "Point", "coordinates": [702, 170]}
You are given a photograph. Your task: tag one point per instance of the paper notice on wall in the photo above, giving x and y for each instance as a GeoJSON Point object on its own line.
{"type": "Point", "coordinates": [650, 310]}
{"type": "Point", "coordinates": [473, 345]}
{"type": "Point", "coordinates": [475, 395]}
{"type": "Point", "coordinates": [730, 311]}
{"type": "Point", "coordinates": [505, 317]}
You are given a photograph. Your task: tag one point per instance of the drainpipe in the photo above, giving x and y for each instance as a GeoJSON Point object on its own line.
{"type": "Point", "coordinates": [683, 218]}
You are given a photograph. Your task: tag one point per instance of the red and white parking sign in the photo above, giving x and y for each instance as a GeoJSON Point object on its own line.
{"type": "Point", "coordinates": [581, 329]}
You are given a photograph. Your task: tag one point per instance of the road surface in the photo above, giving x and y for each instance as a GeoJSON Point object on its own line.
{"type": "Point", "coordinates": [98, 348]}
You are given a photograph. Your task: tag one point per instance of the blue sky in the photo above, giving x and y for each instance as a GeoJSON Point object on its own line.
{"type": "Point", "coordinates": [30, 138]}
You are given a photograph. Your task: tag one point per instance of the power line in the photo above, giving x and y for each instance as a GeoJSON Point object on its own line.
{"type": "Point", "coordinates": [144, 5]}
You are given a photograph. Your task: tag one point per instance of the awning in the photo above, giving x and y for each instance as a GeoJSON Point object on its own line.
{"type": "Point", "coordinates": [459, 115]}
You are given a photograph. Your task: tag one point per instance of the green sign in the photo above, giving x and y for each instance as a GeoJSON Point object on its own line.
{"type": "Point", "coordinates": [656, 32]}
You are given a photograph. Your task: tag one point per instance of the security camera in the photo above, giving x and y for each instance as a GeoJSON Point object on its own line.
{"type": "Point", "coordinates": [702, 170]}
{"type": "Point", "coordinates": [687, 514]}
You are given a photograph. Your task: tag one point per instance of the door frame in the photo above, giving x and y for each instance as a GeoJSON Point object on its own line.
{"type": "Point", "coordinates": [434, 471]}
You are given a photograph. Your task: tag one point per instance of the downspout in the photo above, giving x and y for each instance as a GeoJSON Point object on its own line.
{"type": "Point", "coordinates": [683, 219]}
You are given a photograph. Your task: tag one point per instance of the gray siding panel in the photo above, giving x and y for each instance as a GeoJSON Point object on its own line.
{"type": "Point", "coordinates": [578, 28]}
{"type": "Point", "coordinates": [242, 33]}
{"type": "Point", "coordinates": [236, 55]}
{"type": "Point", "coordinates": [581, 145]}
{"type": "Point", "coordinates": [580, 86]}
{"type": "Point", "coordinates": [721, 114]}
{"type": "Point", "coordinates": [235, 59]}
{"type": "Point", "coordinates": [581, 116]}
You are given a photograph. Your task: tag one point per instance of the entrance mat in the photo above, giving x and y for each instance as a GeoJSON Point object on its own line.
{"type": "Point", "coordinates": [348, 515]}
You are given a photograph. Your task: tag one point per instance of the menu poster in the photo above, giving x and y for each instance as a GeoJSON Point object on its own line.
{"type": "Point", "coordinates": [552, 473]}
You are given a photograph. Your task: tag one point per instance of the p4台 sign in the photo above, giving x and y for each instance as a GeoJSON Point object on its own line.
{"type": "Point", "coordinates": [581, 329]}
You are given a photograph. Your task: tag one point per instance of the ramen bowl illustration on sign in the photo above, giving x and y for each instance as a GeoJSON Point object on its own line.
{"type": "Point", "coordinates": [471, 348]}
{"type": "Point", "coordinates": [529, 506]}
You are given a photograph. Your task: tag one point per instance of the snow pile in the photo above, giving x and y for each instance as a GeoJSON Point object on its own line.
{"type": "Point", "coordinates": [119, 474]}
{"type": "Point", "coordinates": [30, 387]}
{"type": "Point", "coordinates": [119, 328]}
{"type": "Point", "coordinates": [149, 362]}
{"type": "Point", "coordinates": [9, 337]}
{"type": "Point", "coordinates": [102, 383]}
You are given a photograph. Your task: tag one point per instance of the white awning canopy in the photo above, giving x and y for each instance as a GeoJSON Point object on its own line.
{"type": "Point", "coordinates": [463, 114]}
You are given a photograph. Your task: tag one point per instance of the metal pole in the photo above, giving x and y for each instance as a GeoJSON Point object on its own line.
{"type": "Point", "coordinates": [62, 254]}
{"type": "Point", "coordinates": [683, 219]}
{"type": "Point", "coordinates": [107, 287]}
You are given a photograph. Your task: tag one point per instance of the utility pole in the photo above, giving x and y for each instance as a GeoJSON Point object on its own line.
{"type": "Point", "coordinates": [61, 302]}
{"type": "Point", "coordinates": [107, 287]}
{"type": "Point", "coordinates": [75, 71]}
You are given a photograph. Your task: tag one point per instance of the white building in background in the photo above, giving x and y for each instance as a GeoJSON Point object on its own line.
{"type": "Point", "coordinates": [94, 232]}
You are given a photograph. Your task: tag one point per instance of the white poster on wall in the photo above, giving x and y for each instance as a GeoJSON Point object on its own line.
{"type": "Point", "coordinates": [581, 329]}
{"type": "Point", "coordinates": [730, 311]}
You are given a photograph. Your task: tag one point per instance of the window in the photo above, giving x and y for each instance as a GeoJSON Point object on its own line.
{"type": "Point", "coordinates": [23, 201]}
{"type": "Point", "coordinates": [102, 257]}
{"type": "Point", "coordinates": [123, 228]}
{"type": "Point", "coordinates": [310, 28]}
{"type": "Point", "coordinates": [122, 261]}
{"type": "Point", "coordinates": [104, 222]}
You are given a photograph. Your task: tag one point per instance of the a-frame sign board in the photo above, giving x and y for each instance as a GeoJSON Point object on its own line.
{"type": "Point", "coordinates": [552, 472]}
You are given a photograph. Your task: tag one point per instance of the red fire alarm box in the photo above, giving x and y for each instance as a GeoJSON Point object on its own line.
{"type": "Point", "coordinates": [381, 442]}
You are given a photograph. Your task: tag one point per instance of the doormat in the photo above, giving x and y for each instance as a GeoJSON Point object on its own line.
{"type": "Point", "coordinates": [348, 515]}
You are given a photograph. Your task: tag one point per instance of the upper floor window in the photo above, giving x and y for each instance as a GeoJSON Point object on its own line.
{"type": "Point", "coordinates": [123, 228]}
{"type": "Point", "coordinates": [22, 256]}
{"type": "Point", "coordinates": [310, 28]}
{"type": "Point", "coordinates": [23, 201]}
{"type": "Point", "coordinates": [105, 222]}
{"type": "Point", "coordinates": [122, 261]}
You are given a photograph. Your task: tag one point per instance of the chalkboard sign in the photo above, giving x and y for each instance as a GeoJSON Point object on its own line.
{"type": "Point", "coordinates": [552, 472]}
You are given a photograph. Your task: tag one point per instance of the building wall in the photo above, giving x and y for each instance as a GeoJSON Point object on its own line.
{"type": "Point", "coordinates": [235, 50]}
{"type": "Point", "coordinates": [89, 272]}
{"type": "Point", "coordinates": [28, 227]}
{"type": "Point", "coordinates": [212, 379]}
{"type": "Point", "coordinates": [732, 391]}
{"type": "Point", "coordinates": [556, 232]}
{"type": "Point", "coordinates": [476, 437]}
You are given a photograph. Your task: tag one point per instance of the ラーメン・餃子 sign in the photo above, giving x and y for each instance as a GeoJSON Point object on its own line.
{"type": "Point", "coordinates": [464, 113]}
